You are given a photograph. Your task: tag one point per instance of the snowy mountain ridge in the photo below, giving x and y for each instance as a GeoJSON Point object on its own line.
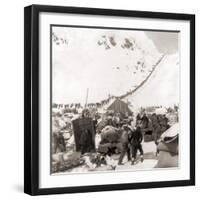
{"type": "Point", "coordinates": [162, 87]}
{"type": "Point", "coordinates": [108, 62]}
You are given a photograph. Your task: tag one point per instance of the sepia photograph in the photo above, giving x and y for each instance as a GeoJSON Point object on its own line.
{"type": "Point", "coordinates": [109, 100]}
{"type": "Point", "coordinates": [114, 99]}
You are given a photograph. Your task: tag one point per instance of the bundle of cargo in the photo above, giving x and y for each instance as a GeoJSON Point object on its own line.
{"type": "Point", "coordinates": [94, 160]}
{"type": "Point", "coordinates": [101, 124]}
{"type": "Point", "coordinates": [110, 140]}
{"type": "Point", "coordinates": [64, 162]}
{"type": "Point", "coordinates": [97, 161]}
{"type": "Point", "coordinates": [110, 134]}
{"type": "Point", "coordinates": [148, 137]}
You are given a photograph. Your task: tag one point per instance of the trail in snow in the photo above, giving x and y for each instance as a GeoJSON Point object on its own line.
{"type": "Point", "coordinates": [162, 87]}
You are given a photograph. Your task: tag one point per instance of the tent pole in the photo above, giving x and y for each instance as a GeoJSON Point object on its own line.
{"type": "Point", "coordinates": [86, 97]}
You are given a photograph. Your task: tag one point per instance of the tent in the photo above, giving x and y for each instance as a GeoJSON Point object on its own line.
{"type": "Point", "coordinates": [119, 106]}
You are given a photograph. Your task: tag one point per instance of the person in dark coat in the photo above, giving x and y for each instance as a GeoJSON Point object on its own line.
{"type": "Point", "coordinates": [59, 143]}
{"type": "Point", "coordinates": [156, 130]}
{"type": "Point", "coordinates": [145, 121]}
{"type": "Point", "coordinates": [135, 141]}
{"type": "Point", "coordinates": [138, 118]}
{"type": "Point", "coordinates": [164, 123]}
{"type": "Point", "coordinates": [125, 144]}
{"type": "Point", "coordinates": [95, 122]}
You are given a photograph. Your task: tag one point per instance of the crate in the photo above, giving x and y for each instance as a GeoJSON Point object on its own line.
{"type": "Point", "coordinates": [148, 138]}
{"type": "Point", "coordinates": [79, 126]}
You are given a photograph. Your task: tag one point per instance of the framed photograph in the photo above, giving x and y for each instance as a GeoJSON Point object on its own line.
{"type": "Point", "coordinates": [109, 99]}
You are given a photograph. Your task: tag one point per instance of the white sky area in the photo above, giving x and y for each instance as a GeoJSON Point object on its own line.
{"type": "Point", "coordinates": [81, 63]}
{"type": "Point", "coordinates": [166, 42]}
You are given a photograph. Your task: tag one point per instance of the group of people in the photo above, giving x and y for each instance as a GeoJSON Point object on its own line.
{"type": "Point", "coordinates": [134, 131]}
{"type": "Point", "coordinates": [131, 143]}
{"type": "Point", "coordinates": [130, 135]}
{"type": "Point", "coordinates": [154, 125]}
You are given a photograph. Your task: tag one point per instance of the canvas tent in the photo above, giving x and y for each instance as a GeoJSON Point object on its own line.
{"type": "Point", "coordinates": [119, 106]}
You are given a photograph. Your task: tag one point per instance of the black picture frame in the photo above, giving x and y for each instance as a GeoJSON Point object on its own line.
{"type": "Point", "coordinates": [31, 98]}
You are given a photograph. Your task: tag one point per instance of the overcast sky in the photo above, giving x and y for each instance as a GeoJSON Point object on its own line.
{"type": "Point", "coordinates": [166, 42]}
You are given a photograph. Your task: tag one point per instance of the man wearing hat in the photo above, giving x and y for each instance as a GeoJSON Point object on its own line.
{"type": "Point", "coordinates": [58, 142]}
{"type": "Point", "coordinates": [136, 145]}
{"type": "Point", "coordinates": [126, 132]}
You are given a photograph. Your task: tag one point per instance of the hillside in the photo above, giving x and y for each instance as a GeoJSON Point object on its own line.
{"type": "Point", "coordinates": [108, 62]}
{"type": "Point", "coordinates": [162, 88]}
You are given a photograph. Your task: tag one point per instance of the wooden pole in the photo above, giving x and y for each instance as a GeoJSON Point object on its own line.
{"type": "Point", "coordinates": [86, 97]}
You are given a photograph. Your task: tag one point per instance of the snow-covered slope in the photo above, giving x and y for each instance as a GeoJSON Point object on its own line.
{"type": "Point", "coordinates": [162, 88]}
{"type": "Point", "coordinates": [105, 61]}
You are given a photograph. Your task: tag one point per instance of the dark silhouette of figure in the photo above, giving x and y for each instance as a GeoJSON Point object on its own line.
{"type": "Point", "coordinates": [136, 145]}
{"type": "Point", "coordinates": [125, 144]}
